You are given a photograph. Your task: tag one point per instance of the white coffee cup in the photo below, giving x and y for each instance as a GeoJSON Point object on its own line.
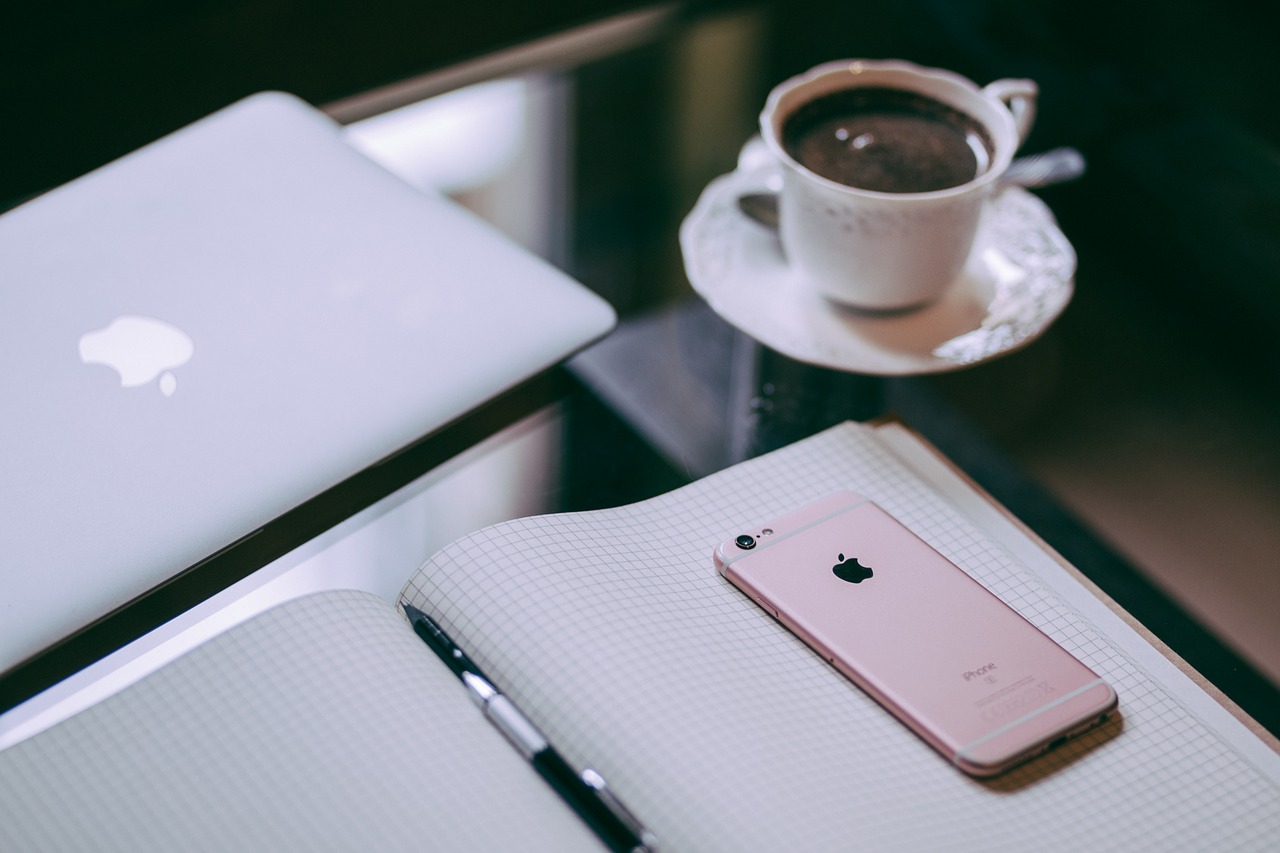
{"type": "Point", "coordinates": [889, 250]}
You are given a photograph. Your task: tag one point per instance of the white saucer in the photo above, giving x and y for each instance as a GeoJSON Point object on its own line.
{"type": "Point", "coordinates": [1018, 279]}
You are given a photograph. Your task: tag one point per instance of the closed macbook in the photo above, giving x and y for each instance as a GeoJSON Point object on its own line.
{"type": "Point", "coordinates": [224, 326]}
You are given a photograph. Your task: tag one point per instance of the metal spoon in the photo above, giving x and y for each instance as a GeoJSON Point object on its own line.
{"type": "Point", "coordinates": [1036, 170]}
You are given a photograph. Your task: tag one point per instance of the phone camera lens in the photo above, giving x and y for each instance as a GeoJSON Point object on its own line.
{"type": "Point", "coordinates": [745, 542]}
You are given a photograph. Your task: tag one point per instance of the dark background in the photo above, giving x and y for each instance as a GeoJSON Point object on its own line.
{"type": "Point", "coordinates": [84, 82]}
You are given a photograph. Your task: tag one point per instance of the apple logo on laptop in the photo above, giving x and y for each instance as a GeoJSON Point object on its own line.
{"type": "Point", "coordinates": [139, 349]}
{"type": "Point", "coordinates": [851, 570]}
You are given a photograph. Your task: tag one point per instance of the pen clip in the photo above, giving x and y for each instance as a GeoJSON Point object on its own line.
{"type": "Point", "coordinates": [648, 841]}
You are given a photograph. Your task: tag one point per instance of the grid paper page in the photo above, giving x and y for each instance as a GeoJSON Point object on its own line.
{"type": "Point", "coordinates": [322, 724]}
{"type": "Point", "coordinates": [724, 732]}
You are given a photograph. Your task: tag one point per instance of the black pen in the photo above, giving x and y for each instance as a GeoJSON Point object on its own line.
{"type": "Point", "coordinates": [586, 793]}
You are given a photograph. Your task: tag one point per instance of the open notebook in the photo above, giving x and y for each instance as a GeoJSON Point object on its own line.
{"type": "Point", "coordinates": [326, 721]}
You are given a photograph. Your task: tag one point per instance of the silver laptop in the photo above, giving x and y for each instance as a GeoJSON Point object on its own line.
{"type": "Point", "coordinates": [221, 327]}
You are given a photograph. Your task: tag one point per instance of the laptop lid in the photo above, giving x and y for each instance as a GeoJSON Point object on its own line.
{"type": "Point", "coordinates": [221, 327]}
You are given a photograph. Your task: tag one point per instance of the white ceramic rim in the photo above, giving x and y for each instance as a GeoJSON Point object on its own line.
{"type": "Point", "coordinates": [941, 85]}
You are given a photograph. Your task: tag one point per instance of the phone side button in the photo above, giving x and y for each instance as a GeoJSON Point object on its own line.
{"type": "Point", "coordinates": [773, 611]}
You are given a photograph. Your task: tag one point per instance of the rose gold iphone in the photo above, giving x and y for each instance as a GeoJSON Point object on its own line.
{"type": "Point", "coordinates": [981, 684]}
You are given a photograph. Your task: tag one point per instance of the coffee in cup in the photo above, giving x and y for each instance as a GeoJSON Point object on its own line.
{"type": "Point", "coordinates": [886, 167]}
{"type": "Point", "coordinates": [887, 140]}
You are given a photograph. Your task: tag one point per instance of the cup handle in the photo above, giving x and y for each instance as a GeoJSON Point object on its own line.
{"type": "Point", "coordinates": [757, 160]}
{"type": "Point", "coordinates": [755, 155]}
{"type": "Point", "coordinates": [1020, 97]}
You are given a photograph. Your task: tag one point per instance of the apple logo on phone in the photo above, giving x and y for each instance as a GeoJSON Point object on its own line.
{"type": "Point", "coordinates": [139, 349]}
{"type": "Point", "coordinates": [851, 570]}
